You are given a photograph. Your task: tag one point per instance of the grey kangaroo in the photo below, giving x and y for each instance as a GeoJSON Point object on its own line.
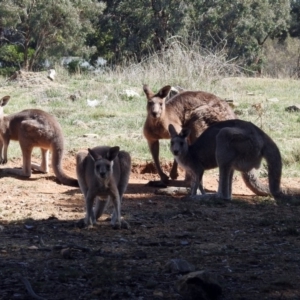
{"type": "Point", "coordinates": [230, 145]}
{"type": "Point", "coordinates": [103, 174]}
{"type": "Point", "coordinates": [33, 128]}
{"type": "Point", "coordinates": [191, 109]}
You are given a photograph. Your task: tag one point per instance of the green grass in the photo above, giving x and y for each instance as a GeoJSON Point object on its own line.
{"type": "Point", "coordinates": [118, 120]}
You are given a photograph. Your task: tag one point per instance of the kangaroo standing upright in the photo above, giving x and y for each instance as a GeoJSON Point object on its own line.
{"type": "Point", "coordinates": [191, 109]}
{"type": "Point", "coordinates": [230, 145]}
{"type": "Point", "coordinates": [33, 128]}
{"type": "Point", "coordinates": [103, 174]}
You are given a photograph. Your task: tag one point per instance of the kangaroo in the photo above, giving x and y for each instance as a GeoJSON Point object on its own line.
{"type": "Point", "coordinates": [103, 174]}
{"type": "Point", "coordinates": [230, 145]}
{"type": "Point", "coordinates": [33, 128]}
{"type": "Point", "coordinates": [192, 109]}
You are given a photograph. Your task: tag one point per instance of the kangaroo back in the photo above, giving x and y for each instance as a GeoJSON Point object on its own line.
{"type": "Point", "coordinates": [195, 110]}
{"type": "Point", "coordinates": [55, 138]}
{"type": "Point", "coordinates": [33, 128]}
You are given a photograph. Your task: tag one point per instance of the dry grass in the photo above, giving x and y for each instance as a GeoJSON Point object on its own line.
{"type": "Point", "coordinates": [118, 119]}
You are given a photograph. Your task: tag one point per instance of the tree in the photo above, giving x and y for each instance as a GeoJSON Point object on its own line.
{"type": "Point", "coordinates": [131, 28]}
{"type": "Point", "coordinates": [295, 19]}
{"type": "Point", "coordinates": [50, 26]}
{"type": "Point", "coordinates": [241, 26]}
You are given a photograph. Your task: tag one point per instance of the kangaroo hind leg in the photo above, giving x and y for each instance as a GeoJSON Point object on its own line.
{"type": "Point", "coordinates": [100, 206]}
{"type": "Point", "coordinates": [90, 216]}
{"type": "Point", "coordinates": [44, 166]}
{"type": "Point", "coordinates": [225, 182]}
{"type": "Point", "coordinates": [116, 216]}
{"type": "Point", "coordinates": [226, 156]}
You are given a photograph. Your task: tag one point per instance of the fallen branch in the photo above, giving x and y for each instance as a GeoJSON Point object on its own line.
{"type": "Point", "coordinates": [29, 289]}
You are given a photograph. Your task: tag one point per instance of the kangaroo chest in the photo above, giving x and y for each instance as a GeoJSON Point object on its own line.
{"type": "Point", "coordinates": [104, 189]}
{"type": "Point", "coordinates": [156, 130]}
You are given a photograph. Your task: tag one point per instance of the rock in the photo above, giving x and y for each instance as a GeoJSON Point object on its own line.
{"type": "Point", "coordinates": [51, 74]}
{"type": "Point", "coordinates": [66, 253]}
{"type": "Point", "coordinates": [293, 108]}
{"type": "Point", "coordinates": [158, 293]}
{"type": "Point", "coordinates": [80, 124]}
{"type": "Point", "coordinates": [172, 190]}
{"type": "Point", "coordinates": [91, 135]}
{"type": "Point", "coordinates": [273, 100]}
{"type": "Point", "coordinates": [129, 94]}
{"type": "Point", "coordinates": [92, 103]}
{"type": "Point", "coordinates": [178, 265]}
{"type": "Point", "coordinates": [199, 285]}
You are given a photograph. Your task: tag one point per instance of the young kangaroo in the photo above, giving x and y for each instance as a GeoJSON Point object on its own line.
{"type": "Point", "coordinates": [195, 110]}
{"type": "Point", "coordinates": [33, 128]}
{"type": "Point", "coordinates": [103, 174]}
{"type": "Point", "coordinates": [230, 145]}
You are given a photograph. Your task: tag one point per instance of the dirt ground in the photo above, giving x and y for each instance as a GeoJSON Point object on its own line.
{"type": "Point", "coordinates": [251, 245]}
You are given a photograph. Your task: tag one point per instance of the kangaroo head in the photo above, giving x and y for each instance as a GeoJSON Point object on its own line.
{"type": "Point", "coordinates": [103, 165]}
{"type": "Point", "coordinates": [156, 102]}
{"type": "Point", "coordinates": [3, 102]}
{"type": "Point", "coordinates": [179, 143]}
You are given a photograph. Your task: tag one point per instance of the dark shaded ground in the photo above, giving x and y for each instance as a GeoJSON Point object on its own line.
{"type": "Point", "coordinates": [250, 244]}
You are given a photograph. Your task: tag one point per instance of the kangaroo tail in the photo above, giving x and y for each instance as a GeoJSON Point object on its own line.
{"type": "Point", "coordinates": [272, 156]}
{"type": "Point", "coordinates": [254, 184]}
{"type": "Point", "coordinates": [125, 168]}
{"type": "Point", "coordinates": [57, 155]}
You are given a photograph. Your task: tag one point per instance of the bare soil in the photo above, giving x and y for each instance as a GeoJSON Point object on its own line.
{"type": "Point", "coordinates": [251, 244]}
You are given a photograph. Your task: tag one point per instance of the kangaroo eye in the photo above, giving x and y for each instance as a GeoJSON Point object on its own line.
{"type": "Point", "coordinates": [160, 104]}
{"type": "Point", "coordinates": [181, 143]}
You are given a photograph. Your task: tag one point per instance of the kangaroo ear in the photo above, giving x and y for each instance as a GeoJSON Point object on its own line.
{"type": "Point", "coordinates": [4, 100]}
{"type": "Point", "coordinates": [164, 92]}
{"type": "Point", "coordinates": [172, 130]}
{"type": "Point", "coordinates": [147, 91]}
{"type": "Point", "coordinates": [112, 153]}
{"type": "Point", "coordinates": [94, 156]}
{"type": "Point", "coordinates": [185, 132]}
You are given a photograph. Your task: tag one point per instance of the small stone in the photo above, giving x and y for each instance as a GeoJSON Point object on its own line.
{"type": "Point", "coordinates": [66, 253]}
{"type": "Point", "coordinates": [273, 100]}
{"type": "Point", "coordinates": [91, 135]}
{"type": "Point", "coordinates": [51, 74]}
{"type": "Point", "coordinates": [178, 265]}
{"type": "Point", "coordinates": [158, 293]}
{"type": "Point", "coordinates": [80, 124]}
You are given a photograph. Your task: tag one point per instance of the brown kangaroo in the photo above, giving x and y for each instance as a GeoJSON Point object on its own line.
{"type": "Point", "coordinates": [33, 128]}
{"type": "Point", "coordinates": [191, 109]}
{"type": "Point", "coordinates": [103, 174]}
{"type": "Point", "coordinates": [230, 145]}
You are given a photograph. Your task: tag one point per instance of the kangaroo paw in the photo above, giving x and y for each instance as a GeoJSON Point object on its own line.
{"type": "Point", "coordinates": [3, 161]}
